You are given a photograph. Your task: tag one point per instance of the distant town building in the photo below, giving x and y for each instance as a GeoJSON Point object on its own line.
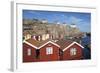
{"type": "Point", "coordinates": [45, 36]}
{"type": "Point", "coordinates": [73, 25]}
{"type": "Point", "coordinates": [58, 23]}
{"type": "Point", "coordinates": [26, 36]}
{"type": "Point", "coordinates": [27, 27]}
{"type": "Point", "coordinates": [44, 21]}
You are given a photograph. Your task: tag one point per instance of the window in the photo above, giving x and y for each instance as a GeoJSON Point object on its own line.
{"type": "Point", "coordinates": [49, 50]}
{"type": "Point", "coordinates": [73, 51]}
{"type": "Point", "coordinates": [28, 51]}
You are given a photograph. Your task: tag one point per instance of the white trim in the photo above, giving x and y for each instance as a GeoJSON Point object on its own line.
{"type": "Point", "coordinates": [40, 46]}
{"type": "Point", "coordinates": [30, 44]}
{"type": "Point", "coordinates": [49, 42]}
{"type": "Point", "coordinates": [73, 44]}
{"type": "Point", "coordinates": [14, 40]}
{"type": "Point", "coordinates": [49, 50]}
{"type": "Point", "coordinates": [73, 51]}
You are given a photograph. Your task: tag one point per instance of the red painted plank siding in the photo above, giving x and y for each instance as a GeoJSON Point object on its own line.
{"type": "Point", "coordinates": [67, 56]}
{"type": "Point", "coordinates": [50, 57]}
{"type": "Point", "coordinates": [27, 58]}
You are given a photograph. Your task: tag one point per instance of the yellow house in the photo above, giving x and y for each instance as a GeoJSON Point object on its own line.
{"type": "Point", "coordinates": [45, 36]}
{"type": "Point", "coordinates": [27, 36]}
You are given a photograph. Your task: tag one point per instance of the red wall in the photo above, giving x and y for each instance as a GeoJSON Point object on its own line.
{"type": "Point", "coordinates": [27, 58]}
{"type": "Point", "coordinates": [67, 56]}
{"type": "Point", "coordinates": [50, 57]}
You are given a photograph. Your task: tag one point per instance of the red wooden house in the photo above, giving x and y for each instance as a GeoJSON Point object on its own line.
{"type": "Point", "coordinates": [34, 51]}
{"type": "Point", "coordinates": [29, 50]}
{"type": "Point", "coordinates": [49, 51]}
{"type": "Point", "coordinates": [70, 50]}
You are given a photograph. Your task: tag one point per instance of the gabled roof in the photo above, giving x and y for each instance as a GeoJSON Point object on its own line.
{"type": "Point", "coordinates": [32, 42]}
{"type": "Point", "coordinates": [39, 44]}
{"type": "Point", "coordinates": [43, 43]}
{"type": "Point", "coordinates": [65, 44]}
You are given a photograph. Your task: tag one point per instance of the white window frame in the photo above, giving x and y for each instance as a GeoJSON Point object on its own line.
{"type": "Point", "coordinates": [29, 52]}
{"type": "Point", "coordinates": [73, 51]}
{"type": "Point", "coordinates": [49, 50]}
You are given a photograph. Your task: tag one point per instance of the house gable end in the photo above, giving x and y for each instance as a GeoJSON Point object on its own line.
{"type": "Point", "coordinates": [47, 43]}
{"type": "Point", "coordinates": [73, 44]}
{"type": "Point", "coordinates": [30, 44]}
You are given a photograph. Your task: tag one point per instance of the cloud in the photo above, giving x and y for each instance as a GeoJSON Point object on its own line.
{"type": "Point", "coordinates": [83, 25]}
{"type": "Point", "coordinates": [60, 17]}
{"type": "Point", "coordinates": [75, 20]}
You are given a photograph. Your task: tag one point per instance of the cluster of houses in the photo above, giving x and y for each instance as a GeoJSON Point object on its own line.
{"type": "Point", "coordinates": [54, 47]}
{"type": "Point", "coordinates": [37, 37]}
{"type": "Point", "coordinates": [42, 37]}
{"type": "Point", "coordinates": [43, 30]}
{"type": "Point", "coordinates": [51, 50]}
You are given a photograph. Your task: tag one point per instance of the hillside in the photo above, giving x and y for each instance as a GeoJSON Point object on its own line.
{"type": "Point", "coordinates": [37, 27]}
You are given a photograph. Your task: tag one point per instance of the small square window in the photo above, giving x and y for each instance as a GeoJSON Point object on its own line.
{"type": "Point", "coordinates": [49, 50]}
{"type": "Point", "coordinates": [73, 51]}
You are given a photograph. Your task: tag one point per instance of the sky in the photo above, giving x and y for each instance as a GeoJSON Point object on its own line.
{"type": "Point", "coordinates": [82, 20]}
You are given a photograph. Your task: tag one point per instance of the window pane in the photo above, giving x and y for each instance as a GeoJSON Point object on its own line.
{"type": "Point", "coordinates": [49, 50]}
{"type": "Point", "coordinates": [29, 52]}
{"type": "Point", "coordinates": [73, 51]}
